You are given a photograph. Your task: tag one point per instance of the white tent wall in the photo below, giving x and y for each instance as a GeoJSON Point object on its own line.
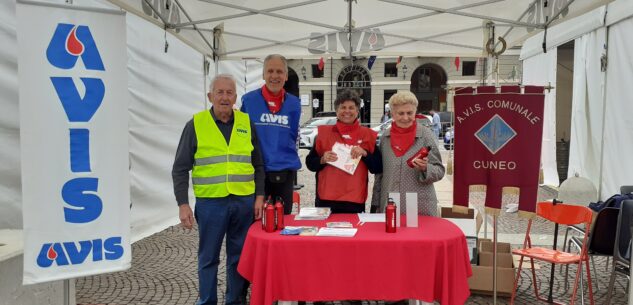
{"type": "Point", "coordinates": [166, 90]}
{"type": "Point", "coordinates": [248, 75]}
{"type": "Point", "coordinates": [540, 70]}
{"type": "Point", "coordinates": [617, 163]}
{"type": "Point", "coordinates": [10, 184]}
{"type": "Point", "coordinates": [587, 107]}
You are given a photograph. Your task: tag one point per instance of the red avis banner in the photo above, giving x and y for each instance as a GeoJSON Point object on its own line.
{"type": "Point", "coordinates": [498, 143]}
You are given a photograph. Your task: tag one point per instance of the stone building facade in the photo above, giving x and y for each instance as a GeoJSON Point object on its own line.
{"type": "Point", "coordinates": [427, 77]}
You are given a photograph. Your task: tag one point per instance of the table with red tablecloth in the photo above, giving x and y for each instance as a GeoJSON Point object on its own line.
{"type": "Point", "coordinates": [426, 263]}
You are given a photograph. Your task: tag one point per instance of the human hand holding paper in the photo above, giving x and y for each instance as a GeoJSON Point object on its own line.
{"type": "Point", "coordinates": [344, 160]}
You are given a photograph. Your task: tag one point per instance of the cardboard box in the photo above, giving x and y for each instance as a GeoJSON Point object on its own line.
{"type": "Point", "coordinates": [481, 281]}
{"type": "Point", "coordinates": [469, 223]}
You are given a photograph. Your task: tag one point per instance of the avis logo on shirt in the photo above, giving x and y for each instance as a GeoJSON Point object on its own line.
{"type": "Point", "coordinates": [274, 118]}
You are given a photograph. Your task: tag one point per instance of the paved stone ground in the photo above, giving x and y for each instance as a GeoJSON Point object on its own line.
{"type": "Point", "coordinates": [164, 264]}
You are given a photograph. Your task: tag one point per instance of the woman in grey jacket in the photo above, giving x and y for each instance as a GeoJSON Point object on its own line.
{"type": "Point", "coordinates": [399, 143]}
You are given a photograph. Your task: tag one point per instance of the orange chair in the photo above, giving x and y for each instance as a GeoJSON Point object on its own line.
{"type": "Point", "coordinates": [296, 199]}
{"type": "Point", "coordinates": [565, 215]}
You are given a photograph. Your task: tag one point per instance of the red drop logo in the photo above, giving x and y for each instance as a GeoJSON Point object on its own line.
{"type": "Point", "coordinates": [73, 45]}
{"type": "Point", "coordinates": [51, 254]}
{"type": "Point", "coordinates": [373, 38]}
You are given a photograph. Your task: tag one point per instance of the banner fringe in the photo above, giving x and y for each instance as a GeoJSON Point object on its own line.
{"type": "Point", "coordinates": [493, 211]}
{"type": "Point", "coordinates": [527, 215]}
{"type": "Point", "coordinates": [460, 209]}
{"type": "Point", "coordinates": [449, 165]}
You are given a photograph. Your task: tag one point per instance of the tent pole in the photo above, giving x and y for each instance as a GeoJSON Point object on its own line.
{"type": "Point", "coordinates": [494, 259]}
{"type": "Point", "coordinates": [349, 30]}
{"type": "Point", "coordinates": [604, 113]}
{"type": "Point", "coordinates": [331, 85]}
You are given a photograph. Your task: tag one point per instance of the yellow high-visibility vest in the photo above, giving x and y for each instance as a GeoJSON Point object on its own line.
{"type": "Point", "coordinates": [220, 169]}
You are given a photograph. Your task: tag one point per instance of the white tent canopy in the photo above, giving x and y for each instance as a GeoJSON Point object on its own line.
{"type": "Point", "coordinates": [303, 29]}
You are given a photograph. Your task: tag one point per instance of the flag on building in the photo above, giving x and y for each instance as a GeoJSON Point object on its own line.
{"type": "Point", "coordinates": [370, 62]}
{"type": "Point", "coordinates": [321, 64]}
{"type": "Point", "coordinates": [457, 61]}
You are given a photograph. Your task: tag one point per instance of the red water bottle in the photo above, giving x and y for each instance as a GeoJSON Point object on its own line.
{"type": "Point", "coordinates": [279, 211]}
{"type": "Point", "coordinates": [269, 217]}
{"type": "Point", "coordinates": [421, 154]}
{"type": "Point", "coordinates": [390, 216]}
{"type": "Point", "coordinates": [266, 203]}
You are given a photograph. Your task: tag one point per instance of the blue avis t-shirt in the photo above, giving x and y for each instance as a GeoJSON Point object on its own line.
{"type": "Point", "coordinates": [277, 132]}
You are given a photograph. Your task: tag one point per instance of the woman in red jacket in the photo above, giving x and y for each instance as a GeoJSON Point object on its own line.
{"type": "Point", "coordinates": [337, 189]}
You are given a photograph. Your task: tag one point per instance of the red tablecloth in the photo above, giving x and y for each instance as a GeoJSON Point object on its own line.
{"type": "Point", "coordinates": [426, 263]}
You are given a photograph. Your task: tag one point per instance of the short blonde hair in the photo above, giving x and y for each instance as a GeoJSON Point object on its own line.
{"type": "Point", "coordinates": [403, 98]}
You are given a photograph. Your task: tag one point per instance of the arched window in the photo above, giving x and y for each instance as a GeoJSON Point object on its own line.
{"type": "Point", "coordinates": [357, 78]}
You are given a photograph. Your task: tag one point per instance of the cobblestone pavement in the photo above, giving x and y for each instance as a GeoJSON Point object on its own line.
{"type": "Point", "coordinates": [164, 266]}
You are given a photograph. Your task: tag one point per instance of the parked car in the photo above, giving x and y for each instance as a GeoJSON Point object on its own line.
{"type": "Point", "coordinates": [309, 130]}
{"type": "Point", "coordinates": [380, 129]}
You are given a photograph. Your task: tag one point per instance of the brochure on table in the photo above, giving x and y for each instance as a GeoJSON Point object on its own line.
{"type": "Point", "coordinates": [310, 213]}
{"type": "Point", "coordinates": [337, 232]}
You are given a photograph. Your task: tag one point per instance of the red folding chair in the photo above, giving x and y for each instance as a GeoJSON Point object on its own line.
{"type": "Point", "coordinates": [565, 215]}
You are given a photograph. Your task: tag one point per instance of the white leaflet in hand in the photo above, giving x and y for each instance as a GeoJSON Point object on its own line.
{"type": "Point", "coordinates": [344, 159]}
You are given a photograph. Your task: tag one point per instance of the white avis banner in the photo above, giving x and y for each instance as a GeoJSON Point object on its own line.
{"type": "Point", "coordinates": [74, 141]}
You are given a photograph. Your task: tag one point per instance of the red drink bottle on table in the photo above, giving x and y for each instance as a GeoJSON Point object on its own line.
{"type": "Point", "coordinates": [266, 203]}
{"type": "Point", "coordinates": [390, 216]}
{"type": "Point", "coordinates": [279, 211]}
{"type": "Point", "coordinates": [269, 217]}
{"type": "Point", "coordinates": [421, 154]}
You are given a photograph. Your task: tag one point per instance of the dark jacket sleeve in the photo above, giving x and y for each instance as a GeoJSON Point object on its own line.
{"type": "Point", "coordinates": [373, 161]}
{"type": "Point", "coordinates": [183, 163]}
{"type": "Point", "coordinates": [313, 160]}
{"type": "Point", "coordinates": [258, 163]}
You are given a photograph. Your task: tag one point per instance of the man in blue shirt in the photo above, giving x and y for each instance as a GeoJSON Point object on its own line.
{"type": "Point", "coordinates": [275, 114]}
{"type": "Point", "coordinates": [436, 123]}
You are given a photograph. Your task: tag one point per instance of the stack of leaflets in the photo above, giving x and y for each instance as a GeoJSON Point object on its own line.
{"type": "Point", "coordinates": [310, 213]}
{"type": "Point", "coordinates": [337, 232]}
{"type": "Point", "coordinates": [339, 224]}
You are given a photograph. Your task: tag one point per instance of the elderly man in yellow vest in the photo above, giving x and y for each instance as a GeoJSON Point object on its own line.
{"type": "Point", "coordinates": [220, 148]}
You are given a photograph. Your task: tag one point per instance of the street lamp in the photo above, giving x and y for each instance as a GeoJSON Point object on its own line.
{"type": "Point", "coordinates": [404, 71]}
{"type": "Point", "coordinates": [303, 72]}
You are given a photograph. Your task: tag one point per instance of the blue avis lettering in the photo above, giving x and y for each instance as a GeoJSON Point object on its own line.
{"type": "Point", "coordinates": [69, 43]}
{"type": "Point", "coordinates": [76, 252]}
{"type": "Point", "coordinates": [274, 118]}
{"type": "Point", "coordinates": [77, 108]}
{"type": "Point", "coordinates": [81, 194]}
